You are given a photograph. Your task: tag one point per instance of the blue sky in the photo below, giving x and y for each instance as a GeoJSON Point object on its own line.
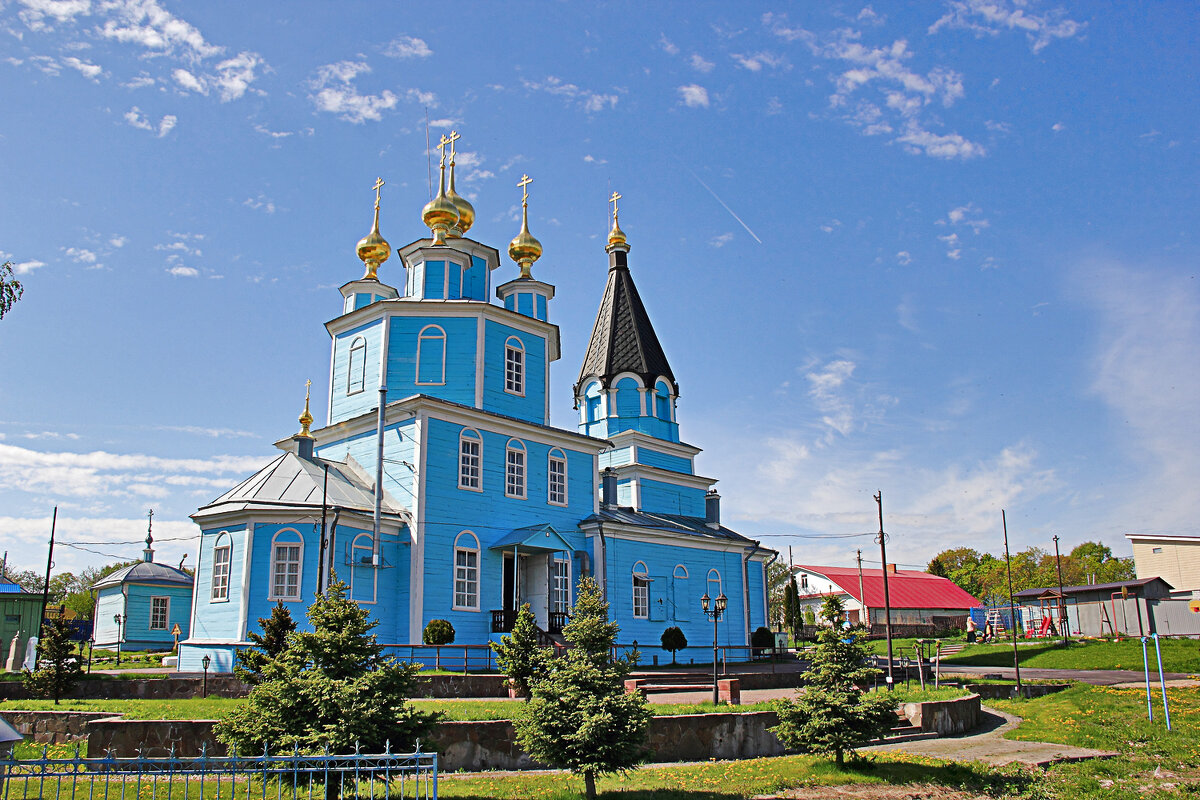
{"type": "Point", "coordinates": [946, 251]}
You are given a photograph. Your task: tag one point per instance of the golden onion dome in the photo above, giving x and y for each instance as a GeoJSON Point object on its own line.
{"type": "Point", "coordinates": [524, 248]}
{"type": "Point", "coordinates": [439, 214]}
{"type": "Point", "coordinates": [306, 418]}
{"type": "Point", "coordinates": [466, 211]}
{"type": "Point", "coordinates": [373, 249]}
{"type": "Point", "coordinates": [616, 236]}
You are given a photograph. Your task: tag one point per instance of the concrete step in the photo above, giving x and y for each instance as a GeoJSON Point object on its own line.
{"type": "Point", "coordinates": [655, 688]}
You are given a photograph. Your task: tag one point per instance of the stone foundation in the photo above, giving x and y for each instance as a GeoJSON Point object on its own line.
{"type": "Point", "coordinates": [944, 717]}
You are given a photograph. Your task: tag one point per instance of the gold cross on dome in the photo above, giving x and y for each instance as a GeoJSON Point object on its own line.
{"type": "Point", "coordinates": [308, 384]}
{"type": "Point", "coordinates": [615, 197]}
{"type": "Point", "coordinates": [454, 137]}
{"type": "Point", "coordinates": [379, 184]}
{"type": "Point", "coordinates": [442, 149]}
{"type": "Point", "coordinates": [523, 183]}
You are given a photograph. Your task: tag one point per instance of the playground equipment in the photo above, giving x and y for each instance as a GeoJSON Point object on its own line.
{"type": "Point", "coordinates": [1161, 679]}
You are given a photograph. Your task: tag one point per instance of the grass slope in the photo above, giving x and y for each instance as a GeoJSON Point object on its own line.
{"type": "Point", "coordinates": [1179, 655]}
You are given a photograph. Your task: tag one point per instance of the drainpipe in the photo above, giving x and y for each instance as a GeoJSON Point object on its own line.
{"type": "Point", "coordinates": [378, 474]}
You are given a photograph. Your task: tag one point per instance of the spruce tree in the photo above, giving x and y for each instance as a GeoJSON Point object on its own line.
{"type": "Point", "coordinates": [580, 717]}
{"type": "Point", "coordinates": [267, 645]}
{"type": "Point", "coordinates": [834, 713]}
{"type": "Point", "coordinates": [331, 687]}
{"type": "Point", "coordinates": [57, 668]}
{"type": "Point", "coordinates": [519, 654]}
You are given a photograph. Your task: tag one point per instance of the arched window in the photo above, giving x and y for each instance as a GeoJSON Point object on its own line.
{"type": "Point", "coordinates": [556, 478]}
{"type": "Point", "coordinates": [514, 366]}
{"type": "Point", "coordinates": [362, 572]}
{"type": "Point", "coordinates": [680, 571]}
{"type": "Point", "coordinates": [514, 469]}
{"type": "Point", "coordinates": [629, 397]}
{"type": "Point", "coordinates": [431, 356]}
{"type": "Point", "coordinates": [714, 584]}
{"type": "Point", "coordinates": [641, 591]}
{"type": "Point", "coordinates": [222, 556]}
{"type": "Point", "coordinates": [356, 373]}
{"type": "Point", "coordinates": [679, 593]}
{"type": "Point", "coordinates": [287, 563]}
{"type": "Point", "coordinates": [466, 572]}
{"type": "Point", "coordinates": [470, 460]}
{"type": "Point", "coordinates": [592, 401]}
{"type": "Point", "coordinates": [662, 401]}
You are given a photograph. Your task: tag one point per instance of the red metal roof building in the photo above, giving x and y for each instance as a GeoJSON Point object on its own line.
{"type": "Point", "coordinates": [916, 597]}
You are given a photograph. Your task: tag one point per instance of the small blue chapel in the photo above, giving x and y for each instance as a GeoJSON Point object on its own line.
{"type": "Point", "coordinates": [437, 489]}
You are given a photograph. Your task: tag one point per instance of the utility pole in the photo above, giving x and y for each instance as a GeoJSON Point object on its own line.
{"type": "Point", "coordinates": [887, 598]}
{"type": "Point", "coordinates": [1062, 601]}
{"type": "Point", "coordinates": [866, 615]}
{"type": "Point", "coordinates": [1012, 605]}
{"type": "Point", "coordinates": [46, 584]}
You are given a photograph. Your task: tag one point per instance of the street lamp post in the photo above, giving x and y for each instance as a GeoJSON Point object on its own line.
{"type": "Point", "coordinates": [120, 620]}
{"type": "Point", "coordinates": [205, 662]}
{"type": "Point", "coordinates": [718, 608]}
{"type": "Point", "coordinates": [1062, 601]}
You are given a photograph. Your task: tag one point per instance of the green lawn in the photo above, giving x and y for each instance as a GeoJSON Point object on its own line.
{"type": "Point", "coordinates": [1179, 655]}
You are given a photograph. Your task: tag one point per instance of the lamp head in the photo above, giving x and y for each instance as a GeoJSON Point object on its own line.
{"type": "Point", "coordinates": [117, 618]}
{"type": "Point", "coordinates": [704, 600]}
{"type": "Point", "coordinates": [206, 661]}
{"type": "Point", "coordinates": [722, 600]}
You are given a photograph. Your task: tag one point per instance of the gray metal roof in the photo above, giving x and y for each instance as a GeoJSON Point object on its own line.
{"type": "Point", "coordinates": [146, 572]}
{"type": "Point", "coordinates": [671, 523]}
{"type": "Point", "coordinates": [1095, 587]}
{"type": "Point", "coordinates": [623, 340]}
{"type": "Point", "coordinates": [290, 480]}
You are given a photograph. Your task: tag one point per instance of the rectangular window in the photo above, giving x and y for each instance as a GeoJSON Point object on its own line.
{"type": "Point", "coordinates": [561, 590]}
{"type": "Point", "coordinates": [641, 597]}
{"type": "Point", "coordinates": [514, 483]}
{"type": "Point", "coordinates": [557, 481]}
{"type": "Point", "coordinates": [514, 370]}
{"type": "Point", "coordinates": [466, 579]}
{"type": "Point", "coordinates": [1156, 550]}
{"type": "Point", "coordinates": [287, 572]}
{"type": "Point", "coordinates": [220, 573]}
{"type": "Point", "coordinates": [468, 464]}
{"type": "Point", "coordinates": [357, 378]}
{"type": "Point", "coordinates": [158, 613]}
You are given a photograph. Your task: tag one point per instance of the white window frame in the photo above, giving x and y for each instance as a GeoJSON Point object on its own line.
{"type": "Point", "coordinates": [711, 580]}
{"type": "Point", "coordinates": [219, 592]}
{"type": "Point", "coordinates": [678, 568]}
{"type": "Point", "coordinates": [466, 576]}
{"type": "Point", "coordinates": [358, 343]}
{"type": "Point", "coordinates": [275, 564]}
{"type": "Point", "coordinates": [356, 566]}
{"type": "Point", "coordinates": [516, 470]}
{"type": "Point", "coordinates": [431, 332]}
{"type": "Point", "coordinates": [556, 489]}
{"type": "Point", "coordinates": [560, 585]}
{"type": "Point", "coordinates": [514, 366]}
{"type": "Point", "coordinates": [166, 611]}
{"type": "Point", "coordinates": [641, 591]}
{"type": "Point", "coordinates": [663, 390]}
{"type": "Point", "coordinates": [470, 475]}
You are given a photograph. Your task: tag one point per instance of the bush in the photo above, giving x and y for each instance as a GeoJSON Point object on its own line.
{"type": "Point", "coordinates": [673, 640]}
{"type": "Point", "coordinates": [438, 631]}
{"type": "Point", "coordinates": [57, 667]}
{"type": "Point", "coordinates": [519, 654]}
{"type": "Point", "coordinates": [762, 638]}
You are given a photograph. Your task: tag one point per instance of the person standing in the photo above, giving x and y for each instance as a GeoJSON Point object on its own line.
{"type": "Point", "coordinates": [971, 628]}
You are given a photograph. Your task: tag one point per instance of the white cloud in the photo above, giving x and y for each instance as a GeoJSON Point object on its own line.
{"type": "Point", "coordinates": [953, 246]}
{"type": "Point", "coordinates": [774, 106]}
{"type": "Point", "coordinates": [335, 93]}
{"type": "Point", "coordinates": [137, 119]}
{"type": "Point", "coordinates": [831, 226]}
{"type": "Point", "coordinates": [148, 24]}
{"type": "Point", "coordinates": [904, 258]}
{"type": "Point", "coordinates": [590, 159]}
{"type": "Point", "coordinates": [180, 271]}
{"type": "Point", "coordinates": [26, 267]}
{"type": "Point", "coordinates": [669, 47]}
{"type": "Point", "coordinates": [1058, 126]}
{"type": "Point", "coordinates": [825, 389]}
{"type": "Point", "coordinates": [918, 140]}
{"type": "Point", "coordinates": [591, 102]}
{"type": "Point", "coordinates": [35, 12]}
{"type": "Point", "coordinates": [189, 81]}
{"type": "Point", "coordinates": [969, 216]}
{"type": "Point", "coordinates": [870, 16]}
{"type": "Point", "coordinates": [117, 241]}
{"type": "Point", "coordinates": [756, 61]}
{"type": "Point", "coordinates": [261, 202]}
{"type": "Point", "coordinates": [90, 71]}
{"type": "Point", "coordinates": [55, 435]}
{"type": "Point", "coordinates": [693, 96]}
{"type": "Point", "coordinates": [722, 240]}
{"type": "Point", "coordinates": [263, 129]}
{"type": "Point", "coordinates": [407, 47]}
{"type": "Point", "coordinates": [992, 17]}
{"type": "Point", "coordinates": [444, 122]}
{"type": "Point", "coordinates": [82, 255]}
{"type": "Point", "coordinates": [698, 63]}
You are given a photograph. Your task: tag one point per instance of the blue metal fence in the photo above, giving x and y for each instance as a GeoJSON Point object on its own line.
{"type": "Point", "coordinates": [295, 776]}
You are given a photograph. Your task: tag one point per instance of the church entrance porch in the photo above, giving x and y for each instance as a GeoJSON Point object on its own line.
{"type": "Point", "coordinates": [536, 570]}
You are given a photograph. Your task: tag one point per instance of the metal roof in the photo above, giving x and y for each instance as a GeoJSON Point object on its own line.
{"type": "Point", "coordinates": [906, 588]}
{"type": "Point", "coordinates": [1116, 586]}
{"type": "Point", "coordinates": [8, 587]}
{"type": "Point", "coordinates": [290, 480]}
{"type": "Point", "coordinates": [623, 340]}
{"type": "Point", "coordinates": [146, 572]}
{"type": "Point", "coordinates": [672, 523]}
{"type": "Point", "coordinates": [543, 538]}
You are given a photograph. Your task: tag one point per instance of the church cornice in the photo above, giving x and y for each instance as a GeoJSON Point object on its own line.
{"type": "Point", "coordinates": [627, 438]}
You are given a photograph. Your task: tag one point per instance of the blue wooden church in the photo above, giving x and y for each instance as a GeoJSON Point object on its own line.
{"type": "Point", "coordinates": [438, 398]}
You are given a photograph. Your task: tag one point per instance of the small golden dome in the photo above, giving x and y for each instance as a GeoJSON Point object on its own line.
{"type": "Point", "coordinates": [616, 236]}
{"type": "Point", "coordinates": [466, 211]}
{"type": "Point", "coordinates": [306, 418]}
{"type": "Point", "coordinates": [525, 249]}
{"type": "Point", "coordinates": [373, 249]}
{"type": "Point", "coordinates": [440, 214]}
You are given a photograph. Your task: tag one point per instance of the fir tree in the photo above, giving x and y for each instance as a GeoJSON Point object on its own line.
{"type": "Point", "coordinates": [834, 714]}
{"type": "Point", "coordinates": [519, 654]}
{"type": "Point", "coordinates": [331, 687]}
{"type": "Point", "coordinates": [580, 717]}
{"type": "Point", "coordinates": [267, 645]}
{"type": "Point", "coordinates": [57, 668]}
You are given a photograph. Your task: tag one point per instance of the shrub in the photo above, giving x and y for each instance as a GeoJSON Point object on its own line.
{"type": "Point", "coordinates": [438, 631]}
{"type": "Point", "coordinates": [673, 641]}
{"type": "Point", "coordinates": [762, 638]}
{"type": "Point", "coordinates": [57, 668]}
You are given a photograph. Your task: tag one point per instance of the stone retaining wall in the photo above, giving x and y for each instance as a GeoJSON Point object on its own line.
{"type": "Point", "coordinates": [160, 737]}
{"type": "Point", "coordinates": [1008, 691]}
{"type": "Point", "coordinates": [944, 717]}
{"type": "Point", "coordinates": [53, 727]}
{"type": "Point", "coordinates": [138, 688]}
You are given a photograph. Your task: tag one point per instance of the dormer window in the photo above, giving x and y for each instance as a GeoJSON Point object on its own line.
{"type": "Point", "coordinates": [514, 366]}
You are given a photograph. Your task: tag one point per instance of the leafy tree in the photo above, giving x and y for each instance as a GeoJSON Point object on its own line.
{"type": "Point", "coordinates": [438, 631]}
{"type": "Point", "coordinates": [762, 639]}
{"type": "Point", "coordinates": [268, 645]}
{"type": "Point", "coordinates": [579, 716]}
{"type": "Point", "coordinates": [777, 582]}
{"type": "Point", "coordinates": [673, 641]}
{"type": "Point", "coordinates": [834, 713]}
{"type": "Point", "coordinates": [29, 581]}
{"type": "Point", "coordinates": [791, 608]}
{"type": "Point", "coordinates": [57, 667]}
{"type": "Point", "coordinates": [519, 654]}
{"type": "Point", "coordinates": [809, 616]}
{"type": "Point", "coordinates": [10, 288]}
{"type": "Point", "coordinates": [331, 687]}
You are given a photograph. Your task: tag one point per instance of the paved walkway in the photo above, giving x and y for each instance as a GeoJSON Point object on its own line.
{"type": "Point", "coordinates": [987, 744]}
